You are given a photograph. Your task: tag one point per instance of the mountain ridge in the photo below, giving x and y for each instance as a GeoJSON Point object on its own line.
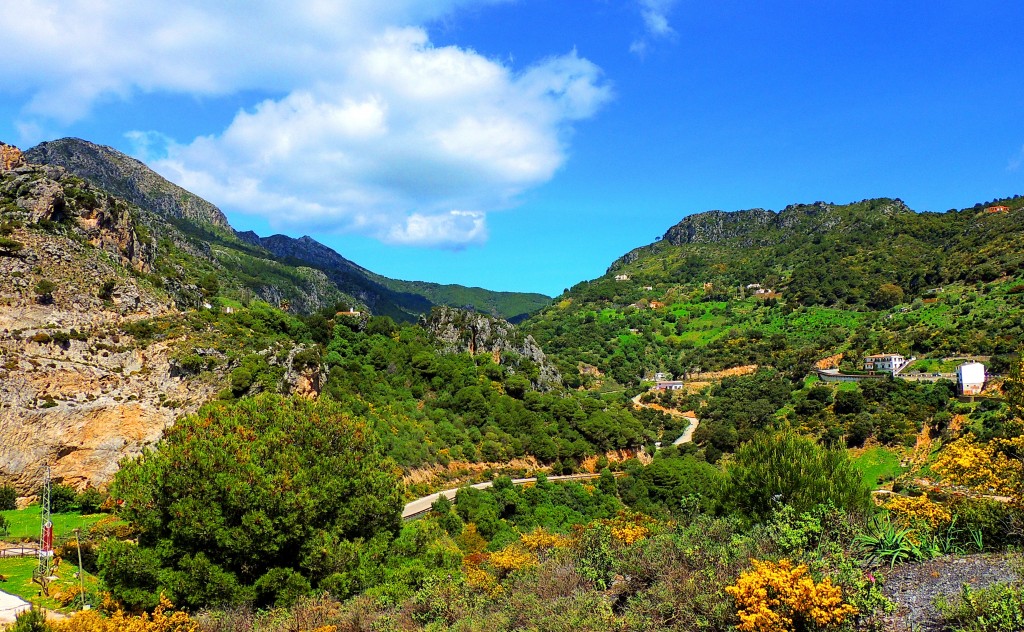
{"type": "Point", "coordinates": [126, 177]}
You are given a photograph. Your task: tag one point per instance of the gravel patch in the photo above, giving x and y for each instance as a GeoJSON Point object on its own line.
{"type": "Point", "coordinates": [915, 587]}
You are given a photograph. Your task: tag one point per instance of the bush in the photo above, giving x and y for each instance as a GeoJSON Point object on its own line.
{"type": "Point", "coordinates": [63, 498]}
{"type": "Point", "coordinates": [787, 469]}
{"type": "Point", "coordinates": [998, 608]}
{"type": "Point", "coordinates": [106, 291]}
{"type": "Point", "coordinates": [33, 620]}
{"type": "Point", "coordinates": [243, 488]}
{"type": "Point", "coordinates": [781, 597]}
{"type": "Point", "coordinates": [8, 498]}
{"type": "Point", "coordinates": [90, 500]}
{"type": "Point", "coordinates": [10, 246]}
{"type": "Point", "coordinates": [44, 291]}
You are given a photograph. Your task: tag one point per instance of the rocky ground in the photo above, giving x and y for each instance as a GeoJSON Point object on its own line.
{"type": "Point", "coordinates": [916, 587]}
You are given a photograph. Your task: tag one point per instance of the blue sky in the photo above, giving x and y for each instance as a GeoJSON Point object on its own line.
{"type": "Point", "coordinates": [524, 145]}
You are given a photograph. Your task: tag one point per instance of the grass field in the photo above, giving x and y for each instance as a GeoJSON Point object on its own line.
{"type": "Point", "coordinates": [17, 580]}
{"type": "Point", "coordinates": [877, 464]}
{"type": "Point", "coordinates": [24, 523]}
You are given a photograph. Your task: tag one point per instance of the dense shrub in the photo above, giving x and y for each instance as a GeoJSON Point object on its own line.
{"type": "Point", "coordinates": [8, 498]}
{"type": "Point", "coordinates": [63, 498]}
{"type": "Point", "coordinates": [243, 490]}
{"type": "Point", "coordinates": [787, 469]}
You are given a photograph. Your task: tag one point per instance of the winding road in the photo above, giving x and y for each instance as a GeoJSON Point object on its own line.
{"type": "Point", "coordinates": [420, 506]}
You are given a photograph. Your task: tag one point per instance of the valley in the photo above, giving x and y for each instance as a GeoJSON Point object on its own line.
{"type": "Point", "coordinates": [260, 418]}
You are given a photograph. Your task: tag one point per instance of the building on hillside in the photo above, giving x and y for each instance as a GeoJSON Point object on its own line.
{"type": "Point", "coordinates": [763, 290]}
{"type": "Point", "coordinates": [970, 377]}
{"type": "Point", "coordinates": [889, 362]}
{"type": "Point", "coordinates": [661, 377]}
{"type": "Point", "coordinates": [669, 386]}
{"type": "Point", "coordinates": [657, 304]}
{"type": "Point", "coordinates": [621, 277]}
{"type": "Point", "coordinates": [998, 209]}
{"type": "Point", "coordinates": [648, 288]}
{"type": "Point", "coordinates": [349, 313]}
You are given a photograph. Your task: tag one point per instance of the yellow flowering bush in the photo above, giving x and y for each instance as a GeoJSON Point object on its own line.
{"type": "Point", "coordinates": [540, 540]}
{"type": "Point", "coordinates": [512, 558]}
{"type": "Point", "coordinates": [162, 620]}
{"type": "Point", "coordinates": [628, 534]}
{"type": "Point", "coordinates": [781, 597]}
{"type": "Point", "coordinates": [981, 468]}
{"type": "Point", "coordinates": [481, 581]}
{"type": "Point", "coordinates": [909, 510]}
{"type": "Point", "coordinates": [628, 528]}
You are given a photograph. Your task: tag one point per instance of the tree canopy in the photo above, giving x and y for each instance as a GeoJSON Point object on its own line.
{"type": "Point", "coordinates": [244, 491]}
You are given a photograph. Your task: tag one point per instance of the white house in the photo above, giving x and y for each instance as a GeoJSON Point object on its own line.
{"type": "Point", "coordinates": [971, 377]}
{"type": "Point", "coordinates": [668, 386]}
{"type": "Point", "coordinates": [889, 362]}
{"type": "Point", "coordinates": [621, 277]}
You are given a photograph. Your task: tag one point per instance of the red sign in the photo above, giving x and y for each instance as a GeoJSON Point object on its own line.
{"type": "Point", "coordinates": [47, 543]}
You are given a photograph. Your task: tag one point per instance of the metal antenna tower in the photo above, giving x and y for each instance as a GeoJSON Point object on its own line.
{"type": "Point", "coordinates": [42, 573]}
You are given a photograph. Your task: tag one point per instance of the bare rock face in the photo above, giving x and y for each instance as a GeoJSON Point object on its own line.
{"type": "Point", "coordinates": [462, 331]}
{"type": "Point", "coordinates": [75, 392]}
{"type": "Point", "coordinates": [127, 178]}
{"type": "Point", "coordinates": [10, 157]}
{"type": "Point", "coordinates": [81, 405]}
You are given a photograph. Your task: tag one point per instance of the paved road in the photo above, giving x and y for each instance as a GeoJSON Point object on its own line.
{"type": "Point", "coordinates": [11, 606]}
{"type": "Point", "coordinates": [422, 505]}
{"type": "Point", "coordinates": [687, 435]}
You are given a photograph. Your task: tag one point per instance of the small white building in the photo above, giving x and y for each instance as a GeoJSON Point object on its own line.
{"type": "Point", "coordinates": [971, 378]}
{"type": "Point", "coordinates": [888, 362]}
{"type": "Point", "coordinates": [669, 386]}
{"type": "Point", "coordinates": [661, 377]}
{"type": "Point", "coordinates": [621, 277]}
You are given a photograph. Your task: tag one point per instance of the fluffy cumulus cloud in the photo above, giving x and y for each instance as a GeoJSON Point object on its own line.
{"type": "Point", "coordinates": [377, 130]}
{"type": "Point", "coordinates": [656, 26]}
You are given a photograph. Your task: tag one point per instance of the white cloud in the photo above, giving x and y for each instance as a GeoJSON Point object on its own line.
{"type": "Point", "coordinates": [377, 131]}
{"type": "Point", "coordinates": [655, 16]}
{"type": "Point", "coordinates": [451, 229]}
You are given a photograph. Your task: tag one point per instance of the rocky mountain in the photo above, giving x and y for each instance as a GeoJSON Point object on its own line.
{"type": "Point", "coordinates": [303, 273]}
{"type": "Point", "coordinates": [102, 264]}
{"type": "Point", "coordinates": [461, 331]}
{"type": "Point", "coordinates": [128, 179]}
{"type": "Point", "coordinates": [75, 391]}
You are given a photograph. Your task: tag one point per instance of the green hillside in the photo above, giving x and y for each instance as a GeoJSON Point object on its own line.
{"type": "Point", "coordinates": [785, 289]}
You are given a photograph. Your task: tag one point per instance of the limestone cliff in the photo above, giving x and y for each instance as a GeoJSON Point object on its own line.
{"type": "Point", "coordinates": [128, 179]}
{"type": "Point", "coordinates": [76, 391]}
{"type": "Point", "coordinates": [461, 331]}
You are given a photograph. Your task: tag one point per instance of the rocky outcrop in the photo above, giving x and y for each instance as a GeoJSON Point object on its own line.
{"type": "Point", "coordinates": [81, 409]}
{"type": "Point", "coordinates": [462, 331]}
{"type": "Point", "coordinates": [127, 178]}
{"type": "Point", "coordinates": [42, 197]}
{"type": "Point", "coordinates": [758, 227]}
{"type": "Point", "coordinates": [10, 157]}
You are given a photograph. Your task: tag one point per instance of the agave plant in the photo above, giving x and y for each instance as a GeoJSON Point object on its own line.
{"type": "Point", "coordinates": [885, 541]}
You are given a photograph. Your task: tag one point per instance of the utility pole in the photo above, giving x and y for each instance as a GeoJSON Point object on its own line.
{"type": "Point", "coordinates": [42, 573]}
{"type": "Point", "coordinates": [81, 569]}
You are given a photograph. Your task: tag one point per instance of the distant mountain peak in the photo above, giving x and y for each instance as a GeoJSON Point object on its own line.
{"type": "Point", "coordinates": [128, 178]}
